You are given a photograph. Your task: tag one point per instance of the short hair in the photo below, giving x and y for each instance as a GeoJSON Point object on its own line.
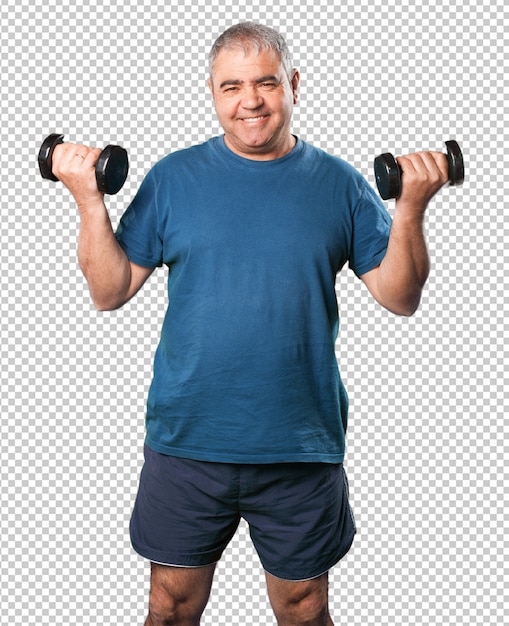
{"type": "Point", "coordinates": [250, 36]}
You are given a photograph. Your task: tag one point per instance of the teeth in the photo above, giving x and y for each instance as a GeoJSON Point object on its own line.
{"type": "Point", "coordinates": [253, 119]}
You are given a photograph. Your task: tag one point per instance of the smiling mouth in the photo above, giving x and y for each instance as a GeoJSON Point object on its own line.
{"type": "Point", "coordinates": [253, 120]}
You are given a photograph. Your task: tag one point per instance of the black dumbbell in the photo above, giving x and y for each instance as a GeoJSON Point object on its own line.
{"type": "Point", "coordinates": [388, 172]}
{"type": "Point", "coordinates": [110, 170]}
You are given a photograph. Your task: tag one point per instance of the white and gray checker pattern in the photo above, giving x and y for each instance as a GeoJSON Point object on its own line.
{"type": "Point", "coordinates": [426, 444]}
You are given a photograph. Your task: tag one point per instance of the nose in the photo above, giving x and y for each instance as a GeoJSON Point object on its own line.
{"type": "Point", "coordinates": [251, 98]}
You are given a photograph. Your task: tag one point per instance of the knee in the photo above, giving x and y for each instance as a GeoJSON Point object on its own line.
{"type": "Point", "coordinates": [306, 609]}
{"type": "Point", "coordinates": [165, 610]}
{"type": "Point", "coordinates": [162, 610]}
{"type": "Point", "coordinates": [178, 595]}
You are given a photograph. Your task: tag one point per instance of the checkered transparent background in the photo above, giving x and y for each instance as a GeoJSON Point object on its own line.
{"type": "Point", "coordinates": [426, 445]}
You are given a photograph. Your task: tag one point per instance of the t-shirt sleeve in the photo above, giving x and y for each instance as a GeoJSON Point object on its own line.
{"type": "Point", "coordinates": [371, 225]}
{"type": "Point", "coordinates": [139, 230]}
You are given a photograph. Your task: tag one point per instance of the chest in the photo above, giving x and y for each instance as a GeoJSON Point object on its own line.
{"type": "Point", "coordinates": [255, 220]}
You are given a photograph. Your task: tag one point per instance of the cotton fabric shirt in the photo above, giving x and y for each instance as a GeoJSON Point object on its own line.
{"type": "Point", "coordinates": [246, 371]}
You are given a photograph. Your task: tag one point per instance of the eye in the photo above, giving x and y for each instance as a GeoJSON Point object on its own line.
{"type": "Point", "coordinates": [229, 90]}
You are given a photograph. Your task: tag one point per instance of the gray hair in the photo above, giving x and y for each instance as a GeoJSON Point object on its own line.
{"type": "Point", "coordinates": [250, 36]}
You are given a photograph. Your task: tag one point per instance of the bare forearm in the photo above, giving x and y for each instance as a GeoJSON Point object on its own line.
{"type": "Point", "coordinates": [398, 281]}
{"type": "Point", "coordinates": [102, 261]}
{"type": "Point", "coordinates": [405, 267]}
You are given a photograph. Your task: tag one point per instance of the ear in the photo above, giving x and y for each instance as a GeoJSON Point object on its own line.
{"type": "Point", "coordinates": [295, 85]}
{"type": "Point", "coordinates": [210, 86]}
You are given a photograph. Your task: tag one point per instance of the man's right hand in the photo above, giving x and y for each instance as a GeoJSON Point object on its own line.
{"type": "Point", "coordinates": [74, 166]}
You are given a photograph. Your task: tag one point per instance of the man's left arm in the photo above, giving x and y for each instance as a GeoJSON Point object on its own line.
{"type": "Point", "coordinates": [398, 281]}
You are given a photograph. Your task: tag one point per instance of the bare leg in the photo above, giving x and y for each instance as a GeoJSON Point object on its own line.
{"type": "Point", "coordinates": [178, 595]}
{"type": "Point", "coordinates": [303, 603]}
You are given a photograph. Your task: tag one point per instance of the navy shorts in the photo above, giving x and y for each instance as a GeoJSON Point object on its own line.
{"type": "Point", "coordinates": [299, 517]}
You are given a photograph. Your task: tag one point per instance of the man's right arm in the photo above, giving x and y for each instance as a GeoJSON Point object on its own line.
{"type": "Point", "coordinates": [112, 279]}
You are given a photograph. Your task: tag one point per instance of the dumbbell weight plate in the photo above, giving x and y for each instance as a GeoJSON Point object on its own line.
{"type": "Point", "coordinates": [455, 163]}
{"type": "Point", "coordinates": [45, 155]}
{"type": "Point", "coordinates": [388, 176]}
{"type": "Point", "coordinates": [111, 169]}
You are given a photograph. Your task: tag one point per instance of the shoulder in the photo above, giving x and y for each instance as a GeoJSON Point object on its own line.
{"type": "Point", "coordinates": [196, 152]}
{"type": "Point", "coordinates": [334, 163]}
{"type": "Point", "coordinates": [340, 175]}
{"type": "Point", "coordinates": [177, 168]}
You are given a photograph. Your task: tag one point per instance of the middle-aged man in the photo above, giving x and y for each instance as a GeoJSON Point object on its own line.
{"type": "Point", "coordinates": [246, 415]}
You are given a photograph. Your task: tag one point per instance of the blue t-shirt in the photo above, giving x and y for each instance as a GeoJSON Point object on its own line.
{"type": "Point", "coordinates": [245, 371]}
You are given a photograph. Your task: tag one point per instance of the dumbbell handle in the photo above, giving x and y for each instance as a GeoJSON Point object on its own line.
{"type": "Point", "coordinates": [388, 171]}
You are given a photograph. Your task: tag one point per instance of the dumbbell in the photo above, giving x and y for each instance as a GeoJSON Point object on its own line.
{"type": "Point", "coordinates": [110, 170]}
{"type": "Point", "coordinates": [388, 172]}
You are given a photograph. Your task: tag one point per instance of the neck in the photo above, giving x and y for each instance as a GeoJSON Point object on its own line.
{"type": "Point", "coordinates": [269, 155]}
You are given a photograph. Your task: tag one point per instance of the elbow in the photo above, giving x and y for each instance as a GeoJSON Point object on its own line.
{"type": "Point", "coordinates": [104, 308]}
{"type": "Point", "coordinates": [409, 312]}
{"type": "Point", "coordinates": [407, 308]}
{"type": "Point", "coordinates": [104, 305]}
{"type": "Point", "coordinates": [105, 295]}
{"type": "Point", "coordinates": [401, 311]}
{"type": "Point", "coordinates": [107, 300]}
{"type": "Point", "coordinates": [399, 294]}
{"type": "Point", "coordinates": [403, 306]}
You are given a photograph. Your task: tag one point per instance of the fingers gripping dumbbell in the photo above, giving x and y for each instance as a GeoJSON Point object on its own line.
{"type": "Point", "coordinates": [110, 170]}
{"type": "Point", "coordinates": [388, 172]}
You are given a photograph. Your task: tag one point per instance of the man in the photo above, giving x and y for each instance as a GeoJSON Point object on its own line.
{"type": "Point", "coordinates": [246, 415]}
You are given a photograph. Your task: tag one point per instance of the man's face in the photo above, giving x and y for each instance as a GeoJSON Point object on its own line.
{"type": "Point", "coordinates": [254, 99]}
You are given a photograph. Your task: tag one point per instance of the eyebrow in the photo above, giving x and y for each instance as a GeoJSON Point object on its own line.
{"type": "Point", "coordinates": [263, 79]}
